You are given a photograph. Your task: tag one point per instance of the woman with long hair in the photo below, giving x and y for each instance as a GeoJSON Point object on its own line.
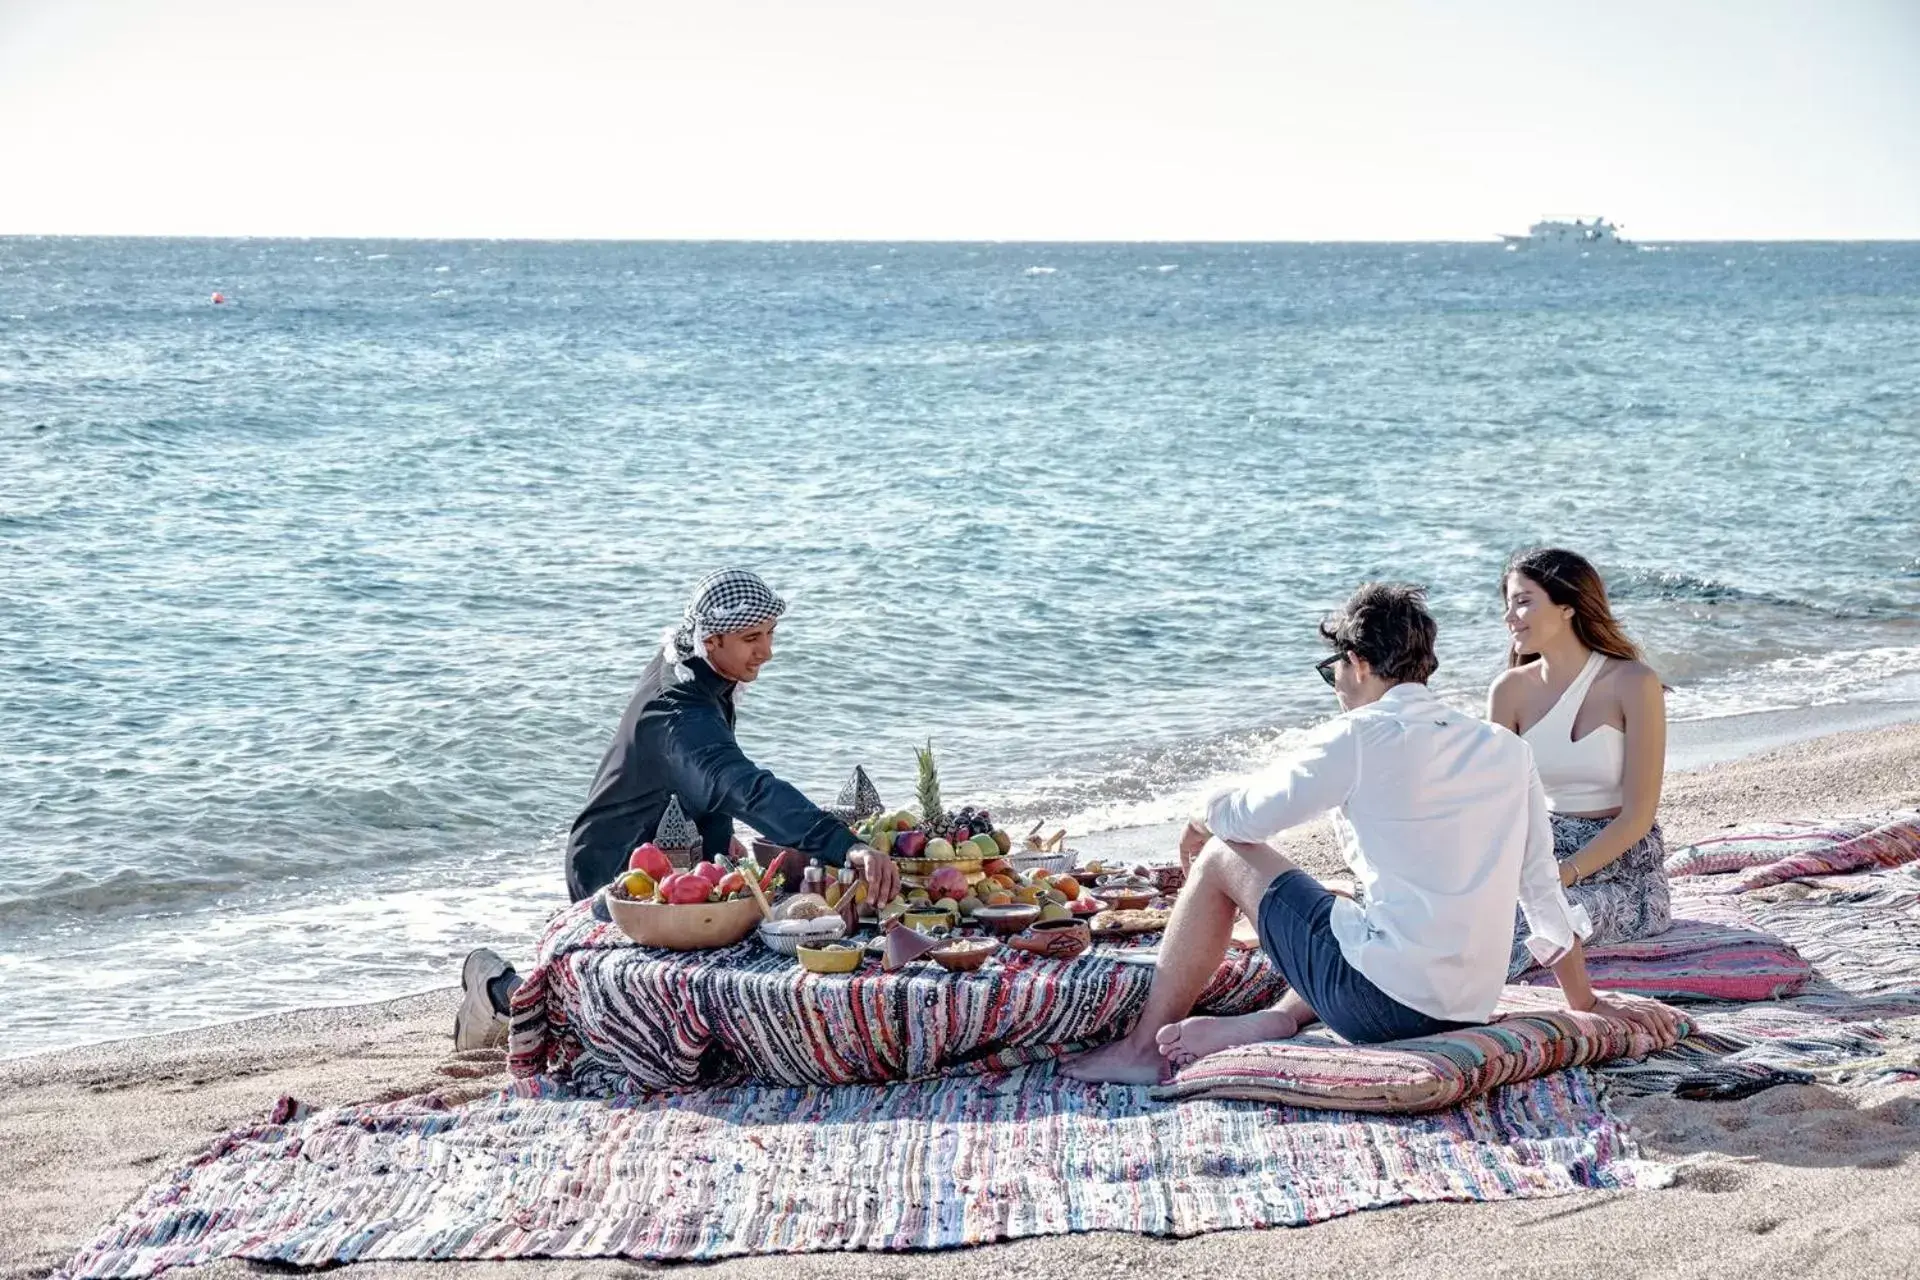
{"type": "Point", "coordinates": [1595, 715]}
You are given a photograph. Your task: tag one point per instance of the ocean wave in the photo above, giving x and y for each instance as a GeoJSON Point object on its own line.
{"type": "Point", "coordinates": [1827, 678]}
{"type": "Point", "coordinates": [76, 893]}
{"type": "Point", "coordinates": [1667, 585]}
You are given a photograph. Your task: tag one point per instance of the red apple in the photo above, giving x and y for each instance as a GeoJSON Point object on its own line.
{"type": "Point", "coordinates": [712, 872]}
{"type": "Point", "coordinates": [685, 888]}
{"type": "Point", "coordinates": [910, 844]}
{"type": "Point", "coordinates": [650, 859]}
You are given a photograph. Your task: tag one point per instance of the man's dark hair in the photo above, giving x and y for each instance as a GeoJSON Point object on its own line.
{"type": "Point", "coordinates": [1386, 623]}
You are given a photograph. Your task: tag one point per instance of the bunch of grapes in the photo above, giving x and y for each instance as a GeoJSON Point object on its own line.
{"type": "Point", "coordinates": [978, 821]}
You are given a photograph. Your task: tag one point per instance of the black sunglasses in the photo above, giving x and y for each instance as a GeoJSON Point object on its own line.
{"type": "Point", "coordinates": [1326, 665]}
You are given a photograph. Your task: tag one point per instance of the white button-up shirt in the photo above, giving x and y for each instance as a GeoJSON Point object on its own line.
{"type": "Point", "coordinates": [1444, 823]}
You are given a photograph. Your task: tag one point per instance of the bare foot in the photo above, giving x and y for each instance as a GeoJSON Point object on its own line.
{"type": "Point", "coordinates": [1191, 1039]}
{"type": "Point", "coordinates": [1122, 1062]}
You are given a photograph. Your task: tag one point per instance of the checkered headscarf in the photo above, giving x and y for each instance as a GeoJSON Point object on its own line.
{"type": "Point", "coordinates": [725, 601]}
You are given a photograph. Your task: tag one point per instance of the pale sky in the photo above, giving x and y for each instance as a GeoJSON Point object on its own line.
{"type": "Point", "coordinates": [904, 119]}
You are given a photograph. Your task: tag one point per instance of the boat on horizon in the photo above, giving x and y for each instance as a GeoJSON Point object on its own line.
{"type": "Point", "coordinates": [1574, 235]}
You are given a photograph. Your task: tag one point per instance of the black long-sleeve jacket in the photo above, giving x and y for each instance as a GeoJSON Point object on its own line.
{"type": "Point", "coordinates": [676, 738]}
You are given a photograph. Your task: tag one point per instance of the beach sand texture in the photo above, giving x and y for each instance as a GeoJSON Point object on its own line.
{"type": "Point", "coordinates": [1796, 1181]}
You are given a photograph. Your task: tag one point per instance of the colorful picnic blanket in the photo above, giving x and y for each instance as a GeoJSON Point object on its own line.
{"type": "Point", "coordinates": [542, 1171]}
{"type": "Point", "coordinates": [613, 1017]}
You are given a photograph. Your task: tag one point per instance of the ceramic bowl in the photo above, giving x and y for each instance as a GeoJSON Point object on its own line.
{"type": "Point", "coordinates": [964, 955]}
{"type": "Point", "coordinates": [1007, 919]}
{"type": "Point", "coordinates": [922, 921]}
{"type": "Point", "coordinates": [788, 936]}
{"type": "Point", "coordinates": [1055, 939]}
{"type": "Point", "coordinates": [844, 958]}
{"type": "Point", "coordinates": [1169, 880]}
{"type": "Point", "coordinates": [697, 926]}
{"type": "Point", "coordinates": [1127, 899]}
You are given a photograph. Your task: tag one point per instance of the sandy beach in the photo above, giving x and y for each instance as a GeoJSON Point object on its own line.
{"type": "Point", "coordinates": [1795, 1181]}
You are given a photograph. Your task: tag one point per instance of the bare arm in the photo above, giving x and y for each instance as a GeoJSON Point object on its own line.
{"type": "Point", "coordinates": [1570, 971]}
{"type": "Point", "coordinates": [1646, 714]}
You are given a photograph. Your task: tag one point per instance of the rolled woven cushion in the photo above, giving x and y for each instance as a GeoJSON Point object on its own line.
{"type": "Point", "coordinates": [1890, 844]}
{"type": "Point", "coordinates": [1764, 843]}
{"type": "Point", "coordinates": [1694, 960]}
{"type": "Point", "coordinates": [1533, 1032]}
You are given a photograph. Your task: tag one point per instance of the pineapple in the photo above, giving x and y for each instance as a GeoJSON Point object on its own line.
{"type": "Point", "coordinates": [932, 816]}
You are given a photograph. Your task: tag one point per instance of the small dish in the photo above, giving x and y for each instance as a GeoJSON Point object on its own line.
{"type": "Point", "coordinates": [964, 955]}
{"type": "Point", "coordinates": [1008, 919]}
{"type": "Point", "coordinates": [837, 957]}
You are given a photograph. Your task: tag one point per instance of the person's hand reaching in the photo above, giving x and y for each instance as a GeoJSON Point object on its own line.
{"type": "Point", "coordinates": [880, 873]}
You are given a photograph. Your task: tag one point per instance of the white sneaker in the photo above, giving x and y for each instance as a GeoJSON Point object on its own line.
{"type": "Point", "coordinates": [477, 1025]}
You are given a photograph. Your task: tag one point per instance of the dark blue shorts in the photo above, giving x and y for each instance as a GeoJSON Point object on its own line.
{"type": "Point", "coordinates": [1296, 931]}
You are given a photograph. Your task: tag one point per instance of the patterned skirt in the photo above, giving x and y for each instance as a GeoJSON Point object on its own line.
{"type": "Point", "coordinates": [1625, 899]}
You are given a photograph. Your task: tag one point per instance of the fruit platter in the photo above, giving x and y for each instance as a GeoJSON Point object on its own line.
{"type": "Point", "coordinates": [961, 883]}
{"type": "Point", "coordinates": [933, 841]}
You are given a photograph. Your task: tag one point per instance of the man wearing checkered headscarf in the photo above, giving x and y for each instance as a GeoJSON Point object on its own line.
{"type": "Point", "coordinates": [677, 741]}
{"type": "Point", "coordinates": [724, 602]}
{"type": "Point", "coordinates": [675, 747]}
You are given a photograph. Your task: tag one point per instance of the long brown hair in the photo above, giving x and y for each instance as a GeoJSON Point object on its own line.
{"type": "Point", "coordinates": [1569, 579]}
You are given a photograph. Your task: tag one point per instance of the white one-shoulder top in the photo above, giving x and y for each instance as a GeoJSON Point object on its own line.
{"type": "Point", "coordinates": [1583, 776]}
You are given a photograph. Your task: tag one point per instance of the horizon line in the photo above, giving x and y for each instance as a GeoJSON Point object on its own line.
{"type": "Point", "coordinates": [1497, 240]}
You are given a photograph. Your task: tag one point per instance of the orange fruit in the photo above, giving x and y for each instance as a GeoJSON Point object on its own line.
{"type": "Point", "coordinates": [1000, 899]}
{"type": "Point", "coordinates": [1069, 886]}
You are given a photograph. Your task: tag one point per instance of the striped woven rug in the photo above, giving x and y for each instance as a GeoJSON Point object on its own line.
{"type": "Point", "coordinates": [1856, 1020]}
{"type": "Point", "coordinates": [538, 1171]}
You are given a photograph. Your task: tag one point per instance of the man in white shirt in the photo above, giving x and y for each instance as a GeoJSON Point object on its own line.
{"type": "Point", "coordinates": [1444, 824]}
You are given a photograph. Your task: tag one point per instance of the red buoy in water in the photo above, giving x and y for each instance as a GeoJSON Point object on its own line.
{"type": "Point", "coordinates": [218, 297]}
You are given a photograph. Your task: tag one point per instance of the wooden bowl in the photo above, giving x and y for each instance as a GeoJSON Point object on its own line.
{"type": "Point", "coordinates": [698, 926]}
{"type": "Point", "coordinates": [842, 959]}
{"type": "Point", "coordinates": [964, 955]}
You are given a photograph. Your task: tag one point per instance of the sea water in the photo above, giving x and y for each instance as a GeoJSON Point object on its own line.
{"type": "Point", "coordinates": [317, 606]}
